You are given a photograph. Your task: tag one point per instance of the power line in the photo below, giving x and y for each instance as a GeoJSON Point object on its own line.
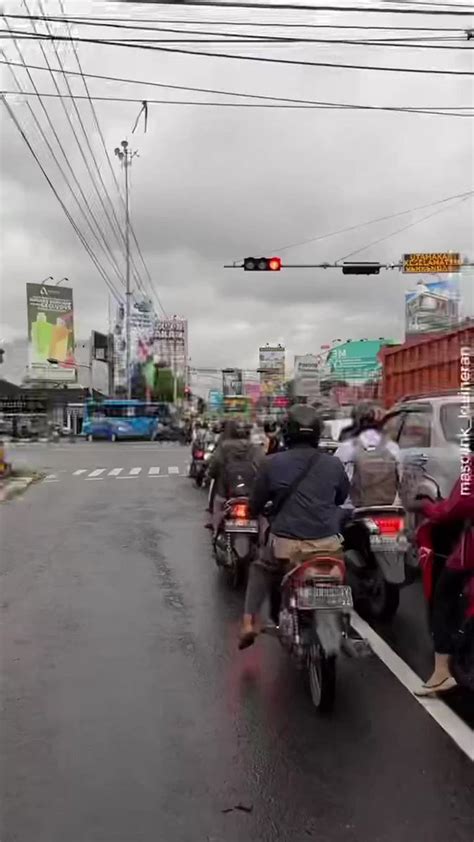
{"type": "Point", "coordinates": [100, 235]}
{"type": "Point", "coordinates": [404, 228]}
{"type": "Point", "coordinates": [447, 112]}
{"type": "Point", "coordinates": [264, 59]}
{"type": "Point", "coordinates": [273, 41]}
{"type": "Point", "coordinates": [76, 228]}
{"type": "Point", "coordinates": [78, 19]}
{"type": "Point", "coordinates": [238, 38]}
{"type": "Point", "coordinates": [86, 138]}
{"type": "Point", "coordinates": [220, 92]}
{"type": "Point", "coordinates": [236, 4]}
{"type": "Point", "coordinates": [377, 219]}
{"type": "Point", "coordinates": [111, 167]}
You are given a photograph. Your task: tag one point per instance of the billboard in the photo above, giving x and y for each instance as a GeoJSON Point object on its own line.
{"type": "Point", "coordinates": [215, 400]}
{"type": "Point", "coordinates": [50, 317]}
{"type": "Point", "coordinates": [272, 368]}
{"type": "Point", "coordinates": [231, 382]}
{"type": "Point", "coordinates": [433, 306]}
{"type": "Point", "coordinates": [306, 376]}
{"type": "Point", "coordinates": [100, 346]}
{"type": "Point", "coordinates": [446, 261]}
{"type": "Point", "coordinates": [355, 363]}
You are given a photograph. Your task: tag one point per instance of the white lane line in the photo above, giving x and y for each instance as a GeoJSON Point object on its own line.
{"type": "Point", "coordinates": [449, 721]}
{"type": "Point", "coordinates": [79, 472]}
{"type": "Point", "coordinates": [96, 473]}
{"type": "Point", "coordinates": [173, 470]}
{"type": "Point", "coordinates": [153, 472]}
{"type": "Point", "coordinates": [51, 478]}
{"type": "Point", "coordinates": [93, 479]}
{"type": "Point", "coordinates": [115, 472]}
{"type": "Point", "coordinates": [134, 472]}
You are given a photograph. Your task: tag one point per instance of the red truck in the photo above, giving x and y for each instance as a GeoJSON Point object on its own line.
{"type": "Point", "coordinates": [426, 366]}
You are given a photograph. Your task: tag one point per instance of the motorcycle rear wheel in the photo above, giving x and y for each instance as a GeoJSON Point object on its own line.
{"type": "Point", "coordinates": [322, 679]}
{"type": "Point", "coordinates": [384, 599]}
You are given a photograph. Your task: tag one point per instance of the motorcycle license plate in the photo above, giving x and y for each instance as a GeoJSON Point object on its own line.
{"type": "Point", "coordinates": [241, 525]}
{"type": "Point", "coordinates": [388, 543]}
{"type": "Point", "coordinates": [334, 597]}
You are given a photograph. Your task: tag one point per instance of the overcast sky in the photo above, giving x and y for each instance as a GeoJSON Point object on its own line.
{"type": "Point", "coordinates": [213, 185]}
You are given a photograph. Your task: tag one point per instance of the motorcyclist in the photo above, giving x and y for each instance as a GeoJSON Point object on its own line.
{"type": "Point", "coordinates": [233, 444]}
{"type": "Point", "coordinates": [366, 434]}
{"type": "Point", "coordinates": [457, 509]}
{"type": "Point", "coordinates": [305, 487]}
{"type": "Point", "coordinates": [273, 439]}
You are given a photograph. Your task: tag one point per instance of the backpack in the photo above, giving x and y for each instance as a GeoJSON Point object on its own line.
{"type": "Point", "coordinates": [240, 470]}
{"type": "Point", "coordinates": [375, 477]}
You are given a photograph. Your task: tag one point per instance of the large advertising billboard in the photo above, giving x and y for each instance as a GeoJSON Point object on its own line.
{"type": "Point", "coordinates": [232, 382]}
{"type": "Point", "coordinates": [272, 368]}
{"type": "Point", "coordinates": [307, 376]}
{"type": "Point", "coordinates": [433, 306]}
{"type": "Point", "coordinates": [50, 316]}
{"type": "Point", "coordinates": [355, 363]}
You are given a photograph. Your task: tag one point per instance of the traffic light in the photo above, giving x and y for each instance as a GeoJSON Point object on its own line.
{"type": "Point", "coordinates": [262, 264]}
{"type": "Point", "coordinates": [361, 268]}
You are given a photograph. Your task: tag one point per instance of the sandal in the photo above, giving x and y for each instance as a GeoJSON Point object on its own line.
{"type": "Point", "coordinates": [448, 683]}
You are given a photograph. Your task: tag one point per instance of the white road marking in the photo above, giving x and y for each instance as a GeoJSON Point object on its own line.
{"type": "Point", "coordinates": [127, 477]}
{"type": "Point", "coordinates": [93, 479]}
{"type": "Point", "coordinates": [134, 472]}
{"type": "Point", "coordinates": [96, 473]}
{"type": "Point", "coordinates": [115, 472]}
{"type": "Point", "coordinates": [153, 472]}
{"type": "Point", "coordinates": [173, 470]}
{"type": "Point", "coordinates": [51, 478]}
{"type": "Point", "coordinates": [449, 721]}
{"type": "Point", "coordinates": [79, 472]}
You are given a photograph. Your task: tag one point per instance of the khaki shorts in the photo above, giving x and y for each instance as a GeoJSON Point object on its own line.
{"type": "Point", "coordinates": [295, 550]}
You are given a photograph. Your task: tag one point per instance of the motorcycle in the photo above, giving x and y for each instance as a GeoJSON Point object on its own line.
{"type": "Point", "coordinates": [236, 541]}
{"type": "Point", "coordinates": [198, 470]}
{"type": "Point", "coordinates": [375, 550]}
{"type": "Point", "coordinates": [313, 623]}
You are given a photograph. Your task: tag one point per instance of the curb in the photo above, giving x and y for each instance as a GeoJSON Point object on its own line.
{"type": "Point", "coordinates": [14, 486]}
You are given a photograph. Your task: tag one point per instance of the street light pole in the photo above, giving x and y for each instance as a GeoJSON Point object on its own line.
{"type": "Point", "coordinates": [60, 281]}
{"type": "Point", "coordinates": [125, 155]}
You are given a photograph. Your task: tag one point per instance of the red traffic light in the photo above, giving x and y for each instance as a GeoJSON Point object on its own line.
{"type": "Point", "coordinates": [262, 264]}
{"type": "Point", "coordinates": [274, 264]}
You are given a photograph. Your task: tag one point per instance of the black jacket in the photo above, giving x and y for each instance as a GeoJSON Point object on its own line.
{"type": "Point", "coordinates": [312, 511]}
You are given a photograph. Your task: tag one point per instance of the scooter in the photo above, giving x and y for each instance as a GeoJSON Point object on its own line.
{"type": "Point", "coordinates": [313, 623]}
{"type": "Point", "coordinates": [375, 548]}
{"type": "Point", "coordinates": [235, 544]}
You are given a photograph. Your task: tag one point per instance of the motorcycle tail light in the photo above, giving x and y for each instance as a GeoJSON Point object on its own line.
{"type": "Point", "coordinates": [199, 454]}
{"type": "Point", "coordinates": [389, 525]}
{"type": "Point", "coordinates": [240, 510]}
{"type": "Point", "coordinates": [323, 567]}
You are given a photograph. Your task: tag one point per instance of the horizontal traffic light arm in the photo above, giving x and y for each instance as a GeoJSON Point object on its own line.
{"type": "Point", "coordinates": [266, 264]}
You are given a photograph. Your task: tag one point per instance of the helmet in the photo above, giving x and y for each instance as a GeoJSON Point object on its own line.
{"type": "Point", "coordinates": [365, 416]}
{"type": "Point", "coordinates": [270, 427]}
{"type": "Point", "coordinates": [302, 425]}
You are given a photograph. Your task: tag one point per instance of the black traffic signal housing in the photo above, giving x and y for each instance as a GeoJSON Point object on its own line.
{"type": "Point", "coordinates": [361, 268]}
{"type": "Point", "coordinates": [262, 264]}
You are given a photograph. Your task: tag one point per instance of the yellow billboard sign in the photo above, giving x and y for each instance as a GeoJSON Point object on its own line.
{"type": "Point", "coordinates": [445, 261]}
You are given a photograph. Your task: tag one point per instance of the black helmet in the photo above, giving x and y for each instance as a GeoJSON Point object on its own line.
{"type": "Point", "coordinates": [365, 416]}
{"type": "Point", "coordinates": [302, 425]}
{"type": "Point", "coordinates": [270, 427]}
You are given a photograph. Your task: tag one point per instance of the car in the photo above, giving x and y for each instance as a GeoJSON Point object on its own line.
{"type": "Point", "coordinates": [427, 429]}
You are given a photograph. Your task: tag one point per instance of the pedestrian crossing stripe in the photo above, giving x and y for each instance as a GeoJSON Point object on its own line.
{"type": "Point", "coordinates": [128, 473]}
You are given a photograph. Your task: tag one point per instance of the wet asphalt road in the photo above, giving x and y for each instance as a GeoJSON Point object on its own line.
{"type": "Point", "coordinates": [129, 716]}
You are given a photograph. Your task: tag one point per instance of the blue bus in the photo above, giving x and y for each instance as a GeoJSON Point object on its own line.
{"type": "Point", "coordinates": [124, 419]}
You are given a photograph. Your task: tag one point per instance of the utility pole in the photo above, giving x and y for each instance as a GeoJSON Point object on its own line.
{"type": "Point", "coordinates": [125, 156]}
